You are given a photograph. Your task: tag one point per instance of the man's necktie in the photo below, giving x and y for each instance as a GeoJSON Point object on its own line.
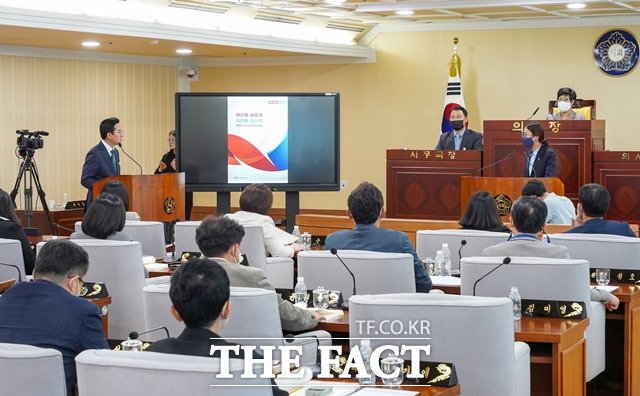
{"type": "Point", "coordinates": [458, 140]}
{"type": "Point", "coordinates": [113, 160]}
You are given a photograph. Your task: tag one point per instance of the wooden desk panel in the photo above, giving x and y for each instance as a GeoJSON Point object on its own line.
{"type": "Point", "coordinates": [629, 296]}
{"type": "Point", "coordinates": [64, 217]}
{"type": "Point", "coordinates": [103, 306]}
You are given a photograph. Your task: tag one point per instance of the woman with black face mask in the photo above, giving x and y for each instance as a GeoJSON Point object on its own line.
{"type": "Point", "coordinates": [540, 159]}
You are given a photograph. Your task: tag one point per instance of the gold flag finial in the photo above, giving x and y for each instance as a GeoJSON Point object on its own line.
{"type": "Point", "coordinates": [455, 64]}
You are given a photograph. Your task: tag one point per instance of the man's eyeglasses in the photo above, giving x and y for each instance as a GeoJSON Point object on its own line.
{"type": "Point", "coordinates": [82, 289]}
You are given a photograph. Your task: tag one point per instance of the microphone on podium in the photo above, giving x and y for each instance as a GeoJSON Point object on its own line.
{"type": "Point", "coordinates": [130, 157]}
{"type": "Point", "coordinates": [493, 164]}
{"type": "Point", "coordinates": [134, 334]}
{"type": "Point", "coordinates": [462, 243]}
{"type": "Point", "coordinates": [17, 269]}
{"type": "Point", "coordinates": [506, 260]}
{"type": "Point", "coordinates": [334, 251]}
{"type": "Point", "coordinates": [534, 113]}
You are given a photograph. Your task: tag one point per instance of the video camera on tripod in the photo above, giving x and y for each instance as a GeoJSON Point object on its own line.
{"type": "Point", "coordinates": [29, 141]}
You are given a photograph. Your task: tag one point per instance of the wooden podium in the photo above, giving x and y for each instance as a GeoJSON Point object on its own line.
{"type": "Point", "coordinates": [425, 184]}
{"type": "Point", "coordinates": [153, 197]}
{"type": "Point", "coordinates": [511, 187]}
{"type": "Point", "coordinates": [619, 172]}
{"type": "Point", "coordinates": [573, 142]}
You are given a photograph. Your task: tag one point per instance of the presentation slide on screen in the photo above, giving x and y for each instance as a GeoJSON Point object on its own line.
{"type": "Point", "coordinates": [258, 139]}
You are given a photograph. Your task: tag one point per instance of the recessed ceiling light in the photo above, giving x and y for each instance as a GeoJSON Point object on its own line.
{"type": "Point", "coordinates": [90, 44]}
{"type": "Point", "coordinates": [183, 51]}
{"type": "Point", "coordinates": [404, 12]}
{"type": "Point", "coordinates": [336, 1]}
{"type": "Point", "coordinates": [576, 6]}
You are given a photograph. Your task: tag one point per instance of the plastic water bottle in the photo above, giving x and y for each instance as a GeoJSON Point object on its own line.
{"type": "Point", "coordinates": [517, 303]}
{"type": "Point", "coordinates": [301, 291]}
{"type": "Point", "coordinates": [439, 267]}
{"type": "Point", "coordinates": [365, 352]}
{"type": "Point", "coordinates": [296, 233]}
{"type": "Point", "coordinates": [446, 256]}
{"type": "Point", "coordinates": [65, 200]}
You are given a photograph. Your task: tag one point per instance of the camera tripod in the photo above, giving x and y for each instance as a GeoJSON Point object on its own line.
{"type": "Point", "coordinates": [29, 166]}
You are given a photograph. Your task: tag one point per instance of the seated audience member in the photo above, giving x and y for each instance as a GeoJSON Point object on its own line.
{"type": "Point", "coordinates": [482, 214]}
{"type": "Point", "coordinates": [47, 312]}
{"type": "Point", "coordinates": [593, 203]}
{"type": "Point", "coordinates": [255, 203]}
{"type": "Point", "coordinates": [366, 208]}
{"type": "Point", "coordinates": [219, 240]}
{"type": "Point", "coordinates": [10, 229]}
{"type": "Point", "coordinates": [199, 295]}
{"type": "Point", "coordinates": [527, 219]}
{"type": "Point", "coordinates": [566, 98]}
{"type": "Point", "coordinates": [118, 188]}
{"type": "Point", "coordinates": [105, 219]}
{"type": "Point", "coordinates": [560, 209]}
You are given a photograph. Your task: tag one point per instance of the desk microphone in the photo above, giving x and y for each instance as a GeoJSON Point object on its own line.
{"type": "Point", "coordinates": [534, 113]}
{"type": "Point", "coordinates": [533, 166]}
{"type": "Point", "coordinates": [56, 226]}
{"type": "Point", "coordinates": [134, 334]}
{"type": "Point", "coordinates": [493, 164]}
{"type": "Point", "coordinates": [334, 251]}
{"type": "Point", "coordinates": [17, 269]}
{"type": "Point", "coordinates": [462, 243]}
{"type": "Point", "coordinates": [506, 260]}
{"type": "Point", "coordinates": [131, 158]}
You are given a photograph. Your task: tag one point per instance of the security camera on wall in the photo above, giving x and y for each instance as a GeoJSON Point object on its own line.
{"type": "Point", "coordinates": [192, 73]}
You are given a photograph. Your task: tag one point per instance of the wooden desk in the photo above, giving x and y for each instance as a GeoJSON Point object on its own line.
{"type": "Point", "coordinates": [103, 306]}
{"type": "Point", "coordinates": [64, 217]}
{"type": "Point", "coordinates": [557, 345]}
{"type": "Point", "coordinates": [422, 390]}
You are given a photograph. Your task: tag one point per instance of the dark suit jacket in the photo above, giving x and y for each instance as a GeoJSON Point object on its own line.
{"type": "Point", "coordinates": [373, 238]}
{"type": "Point", "coordinates": [197, 342]}
{"type": "Point", "coordinates": [601, 226]}
{"type": "Point", "coordinates": [471, 140]}
{"type": "Point", "coordinates": [545, 163]}
{"type": "Point", "coordinates": [97, 166]}
{"type": "Point", "coordinates": [45, 315]}
{"type": "Point", "coordinates": [11, 230]}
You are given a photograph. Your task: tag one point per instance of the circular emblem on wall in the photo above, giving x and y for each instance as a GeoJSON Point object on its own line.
{"type": "Point", "coordinates": [503, 203]}
{"type": "Point", "coordinates": [616, 52]}
{"type": "Point", "coordinates": [169, 205]}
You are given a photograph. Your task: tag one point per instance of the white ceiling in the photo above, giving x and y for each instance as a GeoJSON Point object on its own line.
{"type": "Point", "coordinates": [220, 29]}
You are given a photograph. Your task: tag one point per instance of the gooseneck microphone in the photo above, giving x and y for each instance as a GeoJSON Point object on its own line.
{"type": "Point", "coordinates": [130, 157]}
{"type": "Point", "coordinates": [56, 226]}
{"type": "Point", "coordinates": [17, 269]}
{"type": "Point", "coordinates": [506, 260]}
{"type": "Point", "coordinates": [334, 251]}
{"type": "Point", "coordinates": [493, 164]}
{"type": "Point", "coordinates": [534, 113]}
{"type": "Point", "coordinates": [134, 334]}
{"type": "Point", "coordinates": [462, 243]}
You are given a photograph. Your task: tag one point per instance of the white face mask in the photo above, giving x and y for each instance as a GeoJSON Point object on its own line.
{"type": "Point", "coordinates": [564, 106]}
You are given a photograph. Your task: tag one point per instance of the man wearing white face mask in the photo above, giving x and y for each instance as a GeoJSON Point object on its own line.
{"type": "Point", "coordinates": [566, 98]}
{"type": "Point", "coordinates": [219, 240]}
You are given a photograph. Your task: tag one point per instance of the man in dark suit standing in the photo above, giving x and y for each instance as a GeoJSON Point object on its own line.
{"type": "Point", "coordinates": [460, 138]}
{"type": "Point", "coordinates": [593, 203]}
{"type": "Point", "coordinates": [47, 313]}
{"type": "Point", "coordinates": [103, 160]}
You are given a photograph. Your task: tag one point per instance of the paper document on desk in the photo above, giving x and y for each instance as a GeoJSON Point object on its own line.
{"type": "Point", "coordinates": [607, 288]}
{"type": "Point", "coordinates": [329, 314]}
{"type": "Point", "coordinates": [384, 391]}
{"type": "Point", "coordinates": [337, 388]}
{"type": "Point", "coordinates": [445, 280]}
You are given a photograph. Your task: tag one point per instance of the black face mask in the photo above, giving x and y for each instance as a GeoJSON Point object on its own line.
{"type": "Point", "coordinates": [457, 125]}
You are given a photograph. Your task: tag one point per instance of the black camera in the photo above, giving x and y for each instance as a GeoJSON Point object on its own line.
{"type": "Point", "coordinates": [29, 141]}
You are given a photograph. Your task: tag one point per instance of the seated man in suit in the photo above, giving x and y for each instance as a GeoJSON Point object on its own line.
{"type": "Point", "coordinates": [366, 208]}
{"type": "Point", "coordinates": [560, 209]}
{"type": "Point", "coordinates": [460, 138]}
{"type": "Point", "coordinates": [593, 203]}
{"type": "Point", "coordinates": [48, 313]}
{"type": "Point", "coordinates": [219, 240]}
{"type": "Point", "coordinates": [200, 297]}
{"type": "Point", "coordinates": [103, 160]}
{"type": "Point", "coordinates": [527, 219]}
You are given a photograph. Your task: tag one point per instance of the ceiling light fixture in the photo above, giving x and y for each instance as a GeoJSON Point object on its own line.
{"type": "Point", "coordinates": [576, 6]}
{"type": "Point", "coordinates": [404, 12]}
{"type": "Point", "coordinates": [183, 51]}
{"type": "Point", "coordinates": [90, 44]}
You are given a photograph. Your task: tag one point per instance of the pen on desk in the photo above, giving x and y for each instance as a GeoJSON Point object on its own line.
{"type": "Point", "coordinates": [293, 390]}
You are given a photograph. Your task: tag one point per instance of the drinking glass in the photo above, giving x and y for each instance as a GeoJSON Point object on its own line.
{"type": "Point", "coordinates": [52, 204]}
{"type": "Point", "coordinates": [603, 276]}
{"type": "Point", "coordinates": [305, 240]}
{"type": "Point", "coordinates": [320, 298]}
{"type": "Point", "coordinates": [390, 365]}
